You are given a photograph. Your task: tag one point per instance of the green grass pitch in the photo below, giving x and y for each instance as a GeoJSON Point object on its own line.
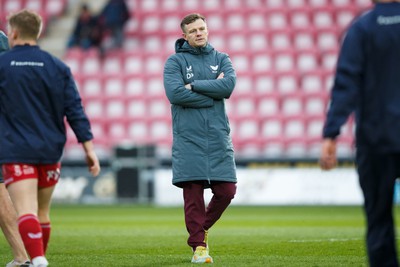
{"type": "Point", "coordinates": [134, 235]}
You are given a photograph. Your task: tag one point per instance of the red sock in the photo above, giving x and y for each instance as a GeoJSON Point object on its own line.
{"type": "Point", "coordinates": [31, 234]}
{"type": "Point", "coordinates": [46, 229]}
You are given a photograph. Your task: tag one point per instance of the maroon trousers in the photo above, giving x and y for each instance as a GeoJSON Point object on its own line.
{"type": "Point", "coordinates": [198, 218]}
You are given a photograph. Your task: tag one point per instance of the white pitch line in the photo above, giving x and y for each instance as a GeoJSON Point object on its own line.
{"type": "Point", "coordinates": [324, 240]}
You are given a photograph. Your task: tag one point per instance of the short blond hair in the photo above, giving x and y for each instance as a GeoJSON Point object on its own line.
{"type": "Point", "coordinates": [28, 24]}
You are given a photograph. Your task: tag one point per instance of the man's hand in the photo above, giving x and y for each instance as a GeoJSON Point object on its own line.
{"type": "Point", "coordinates": [327, 159]}
{"type": "Point", "coordinates": [220, 76]}
{"type": "Point", "coordinates": [188, 86]}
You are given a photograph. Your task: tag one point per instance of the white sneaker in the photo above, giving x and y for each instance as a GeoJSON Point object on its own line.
{"type": "Point", "coordinates": [39, 262]}
{"type": "Point", "coordinates": [15, 263]}
{"type": "Point", "coordinates": [200, 255]}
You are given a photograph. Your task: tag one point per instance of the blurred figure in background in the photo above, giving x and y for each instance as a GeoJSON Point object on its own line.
{"type": "Point", "coordinates": [113, 18]}
{"type": "Point", "coordinates": [368, 82]}
{"type": "Point", "coordinates": [87, 32]}
{"type": "Point", "coordinates": [8, 217]}
{"type": "Point", "coordinates": [37, 93]}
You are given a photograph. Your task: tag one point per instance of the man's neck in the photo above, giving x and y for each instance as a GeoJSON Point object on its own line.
{"type": "Point", "coordinates": [24, 42]}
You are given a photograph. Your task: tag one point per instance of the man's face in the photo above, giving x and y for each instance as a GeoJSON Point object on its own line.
{"type": "Point", "coordinates": [196, 33]}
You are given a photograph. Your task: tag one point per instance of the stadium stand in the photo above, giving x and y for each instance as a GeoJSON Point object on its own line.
{"type": "Point", "coordinates": [284, 52]}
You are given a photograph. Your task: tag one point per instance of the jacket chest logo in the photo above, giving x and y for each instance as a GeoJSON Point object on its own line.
{"type": "Point", "coordinates": [214, 68]}
{"type": "Point", "coordinates": [189, 72]}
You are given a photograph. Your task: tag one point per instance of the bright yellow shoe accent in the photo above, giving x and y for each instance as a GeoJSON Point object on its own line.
{"type": "Point", "coordinates": [206, 240]}
{"type": "Point", "coordinates": [200, 255]}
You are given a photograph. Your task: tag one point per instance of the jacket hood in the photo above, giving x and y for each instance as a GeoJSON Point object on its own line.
{"type": "Point", "coordinates": [3, 42]}
{"type": "Point", "coordinates": [182, 46]}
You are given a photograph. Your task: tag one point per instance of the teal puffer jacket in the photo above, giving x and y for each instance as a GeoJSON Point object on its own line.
{"type": "Point", "coordinates": [202, 147]}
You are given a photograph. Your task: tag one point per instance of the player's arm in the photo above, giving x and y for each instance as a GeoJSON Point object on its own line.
{"type": "Point", "coordinates": [177, 93]}
{"type": "Point", "coordinates": [220, 88]}
{"type": "Point", "coordinates": [74, 112]}
{"type": "Point", "coordinates": [344, 93]}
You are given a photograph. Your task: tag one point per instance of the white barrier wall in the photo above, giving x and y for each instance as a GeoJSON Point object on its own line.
{"type": "Point", "coordinates": [277, 186]}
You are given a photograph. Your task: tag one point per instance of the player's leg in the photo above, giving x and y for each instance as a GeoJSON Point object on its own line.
{"type": "Point", "coordinates": [8, 223]}
{"type": "Point", "coordinates": [195, 211]}
{"type": "Point", "coordinates": [22, 184]}
{"type": "Point", "coordinates": [24, 196]}
{"type": "Point", "coordinates": [377, 174]}
{"type": "Point", "coordinates": [223, 193]}
{"type": "Point", "coordinates": [49, 175]}
{"type": "Point", "coordinates": [44, 201]}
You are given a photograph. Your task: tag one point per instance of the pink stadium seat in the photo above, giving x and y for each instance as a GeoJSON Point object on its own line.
{"type": "Point", "coordinates": [292, 105]}
{"type": "Point", "coordinates": [300, 18]}
{"type": "Point", "coordinates": [237, 42]}
{"type": "Point", "coordinates": [323, 17]}
{"type": "Point", "coordinates": [155, 87]}
{"type": "Point", "coordinates": [241, 61]}
{"type": "Point", "coordinates": [272, 128]}
{"type": "Point", "coordinates": [345, 14]}
{"type": "Point", "coordinates": [134, 85]}
{"type": "Point", "coordinates": [170, 5]}
{"type": "Point", "coordinates": [284, 61]}
{"type": "Point", "coordinates": [35, 5]}
{"type": "Point", "coordinates": [117, 131]}
{"type": "Point", "coordinates": [280, 39]}
{"type": "Point", "coordinates": [264, 83]}
{"type": "Point", "coordinates": [138, 131]}
{"type": "Point", "coordinates": [294, 129]}
{"type": "Point", "coordinates": [158, 108]}
{"type": "Point", "coordinates": [113, 86]}
{"type": "Point", "coordinates": [257, 41]}
{"type": "Point", "coordinates": [313, 81]}
{"type": "Point", "coordinates": [92, 87]}
{"type": "Point", "coordinates": [296, 3]}
{"type": "Point", "coordinates": [95, 108]}
{"type": "Point", "coordinates": [136, 108]}
{"type": "Point", "coordinates": [113, 63]}
{"type": "Point", "coordinates": [318, 3]}
{"type": "Point", "coordinates": [327, 38]}
{"type": "Point", "coordinates": [11, 6]}
{"type": "Point", "coordinates": [244, 86]}
{"type": "Point", "coordinates": [287, 82]}
{"type": "Point", "coordinates": [303, 39]}
{"type": "Point", "coordinates": [256, 21]}
{"type": "Point", "coordinates": [235, 22]}
{"type": "Point", "coordinates": [160, 131]}
{"type": "Point", "coordinates": [307, 60]}
{"type": "Point", "coordinates": [270, 4]}
{"type": "Point", "coordinates": [261, 62]}
{"type": "Point", "coordinates": [114, 108]}
{"type": "Point", "coordinates": [134, 63]}
{"type": "Point", "coordinates": [55, 7]}
{"type": "Point", "coordinates": [268, 106]}
{"type": "Point", "coordinates": [329, 59]}
{"type": "Point", "coordinates": [245, 107]}
{"type": "Point", "coordinates": [277, 18]}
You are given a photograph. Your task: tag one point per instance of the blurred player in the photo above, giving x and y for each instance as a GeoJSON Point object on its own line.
{"type": "Point", "coordinates": [8, 218]}
{"type": "Point", "coordinates": [197, 80]}
{"type": "Point", "coordinates": [368, 82]}
{"type": "Point", "coordinates": [37, 92]}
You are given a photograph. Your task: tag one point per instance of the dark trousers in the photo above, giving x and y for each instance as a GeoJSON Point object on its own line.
{"type": "Point", "coordinates": [377, 174]}
{"type": "Point", "coordinates": [199, 218]}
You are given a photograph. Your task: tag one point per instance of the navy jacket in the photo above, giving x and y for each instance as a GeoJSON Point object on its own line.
{"type": "Point", "coordinates": [37, 92]}
{"type": "Point", "coordinates": [368, 80]}
{"type": "Point", "coordinates": [202, 147]}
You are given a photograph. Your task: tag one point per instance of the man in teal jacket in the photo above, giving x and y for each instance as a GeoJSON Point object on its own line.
{"type": "Point", "coordinates": [197, 80]}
